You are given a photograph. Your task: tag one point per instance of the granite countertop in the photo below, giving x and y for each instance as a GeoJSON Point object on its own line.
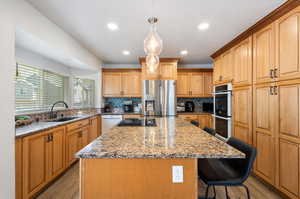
{"type": "Point", "coordinates": [40, 126]}
{"type": "Point", "coordinates": [171, 138]}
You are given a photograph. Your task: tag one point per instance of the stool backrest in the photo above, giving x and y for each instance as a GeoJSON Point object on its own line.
{"type": "Point", "coordinates": [210, 131]}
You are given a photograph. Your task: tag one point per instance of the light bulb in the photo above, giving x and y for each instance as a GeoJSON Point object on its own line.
{"type": "Point", "coordinates": [152, 62]}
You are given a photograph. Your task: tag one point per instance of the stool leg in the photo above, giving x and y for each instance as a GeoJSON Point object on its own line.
{"type": "Point", "coordinates": [207, 189]}
{"type": "Point", "coordinates": [226, 191]}
{"type": "Point", "coordinates": [215, 195]}
{"type": "Point", "coordinates": [247, 190]}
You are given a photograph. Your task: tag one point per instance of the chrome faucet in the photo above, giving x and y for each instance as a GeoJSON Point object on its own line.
{"type": "Point", "coordinates": [58, 102]}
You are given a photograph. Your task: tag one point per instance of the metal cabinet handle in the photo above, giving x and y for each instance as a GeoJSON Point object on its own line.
{"type": "Point", "coordinates": [271, 90]}
{"type": "Point", "coordinates": [275, 73]}
{"type": "Point", "coordinates": [271, 73]}
{"type": "Point", "coordinates": [275, 90]}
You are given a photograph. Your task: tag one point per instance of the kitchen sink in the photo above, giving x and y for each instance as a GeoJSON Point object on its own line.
{"type": "Point", "coordinates": [64, 119]}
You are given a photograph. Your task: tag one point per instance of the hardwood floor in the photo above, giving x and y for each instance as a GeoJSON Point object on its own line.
{"type": "Point", "coordinates": [67, 187]}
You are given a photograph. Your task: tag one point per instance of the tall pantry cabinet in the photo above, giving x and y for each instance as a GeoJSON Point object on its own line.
{"type": "Point", "coordinates": [266, 99]}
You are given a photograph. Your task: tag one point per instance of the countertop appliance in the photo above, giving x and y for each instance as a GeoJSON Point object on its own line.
{"type": "Point", "coordinates": [189, 106]}
{"type": "Point", "coordinates": [137, 122]}
{"type": "Point", "coordinates": [109, 121]}
{"type": "Point", "coordinates": [107, 107]}
{"type": "Point", "coordinates": [222, 110]}
{"type": "Point", "coordinates": [159, 97]}
{"type": "Point", "coordinates": [128, 107]}
{"type": "Point", "coordinates": [208, 107]}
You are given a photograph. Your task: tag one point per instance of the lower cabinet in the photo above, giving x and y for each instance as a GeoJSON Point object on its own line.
{"type": "Point", "coordinates": [264, 131]}
{"type": "Point", "coordinates": [205, 120]}
{"type": "Point", "coordinates": [43, 156]}
{"type": "Point", "coordinates": [242, 117]}
{"type": "Point", "coordinates": [95, 128]}
{"type": "Point", "coordinates": [43, 159]}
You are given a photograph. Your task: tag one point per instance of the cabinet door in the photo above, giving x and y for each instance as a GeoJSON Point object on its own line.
{"type": "Point", "coordinates": [227, 66]}
{"type": "Point", "coordinates": [197, 84]}
{"type": "Point", "coordinates": [34, 164]}
{"type": "Point", "coordinates": [217, 69]}
{"type": "Point", "coordinates": [83, 138]}
{"type": "Point", "coordinates": [168, 71]}
{"type": "Point", "coordinates": [264, 131]}
{"type": "Point", "coordinates": [57, 151]}
{"type": "Point", "coordinates": [263, 54]}
{"type": "Point", "coordinates": [204, 121]}
{"type": "Point", "coordinates": [183, 84]}
{"type": "Point", "coordinates": [242, 113]}
{"type": "Point", "coordinates": [72, 145]}
{"type": "Point", "coordinates": [94, 128]}
{"type": "Point", "coordinates": [131, 84]}
{"type": "Point", "coordinates": [111, 84]}
{"type": "Point", "coordinates": [19, 167]}
{"type": "Point", "coordinates": [242, 56]}
{"type": "Point", "coordinates": [287, 45]}
{"type": "Point", "coordinates": [208, 84]}
{"type": "Point", "coordinates": [289, 168]}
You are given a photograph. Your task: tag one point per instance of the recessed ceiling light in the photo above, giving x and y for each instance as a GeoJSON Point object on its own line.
{"type": "Point", "coordinates": [126, 52]}
{"type": "Point", "coordinates": [112, 26]}
{"type": "Point", "coordinates": [184, 52]}
{"type": "Point", "coordinates": [203, 26]}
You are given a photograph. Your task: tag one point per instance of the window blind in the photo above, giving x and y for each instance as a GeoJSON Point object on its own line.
{"type": "Point", "coordinates": [83, 92]}
{"type": "Point", "coordinates": [37, 89]}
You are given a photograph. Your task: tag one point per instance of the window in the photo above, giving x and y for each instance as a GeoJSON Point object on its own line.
{"type": "Point", "coordinates": [37, 89]}
{"type": "Point", "coordinates": [83, 92]}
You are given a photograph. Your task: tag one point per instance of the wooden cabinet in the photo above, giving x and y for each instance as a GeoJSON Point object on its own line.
{"type": "Point", "coordinates": [227, 66]}
{"type": "Point", "coordinates": [288, 46]}
{"type": "Point", "coordinates": [264, 54]}
{"type": "Point", "coordinates": [205, 120]}
{"type": "Point", "coordinates": [112, 84]}
{"type": "Point", "coordinates": [18, 168]}
{"type": "Point", "coordinates": [194, 83]}
{"type": "Point", "coordinates": [43, 159]}
{"type": "Point", "coordinates": [242, 62]}
{"type": "Point", "coordinates": [242, 114]}
{"type": "Point", "coordinates": [131, 84]}
{"type": "Point", "coordinates": [167, 70]}
{"type": "Point", "coordinates": [183, 84]}
{"type": "Point", "coordinates": [95, 128]}
{"type": "Point", "coordinates": [121, 83]}
{"type": "Point", "coordinates": [264, 122]}
{"type": "Point", "coordinates": [217, 70]}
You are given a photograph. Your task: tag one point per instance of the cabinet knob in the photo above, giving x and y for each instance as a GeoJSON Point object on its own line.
{"type": "Point", "coordinates": [275, 73]}
{"type": "Point", "coordinates": [272, 73]}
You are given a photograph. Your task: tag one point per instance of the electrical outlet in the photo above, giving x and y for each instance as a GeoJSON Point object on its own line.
{"type": "Point", "coordinates": [177, 174]}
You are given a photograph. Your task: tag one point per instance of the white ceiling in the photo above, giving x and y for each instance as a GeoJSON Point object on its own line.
{"type": "Point", "coordinates": [178, 19]}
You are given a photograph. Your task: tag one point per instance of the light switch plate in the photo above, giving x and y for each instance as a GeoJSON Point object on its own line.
{"type": "Point", "coordinates": [177, 174]}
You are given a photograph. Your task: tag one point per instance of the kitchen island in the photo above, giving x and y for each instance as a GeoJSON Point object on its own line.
{"type": "Point", "coordinates": [137, 162]}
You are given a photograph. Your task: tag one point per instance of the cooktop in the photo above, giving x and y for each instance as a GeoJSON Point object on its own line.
{"type": "Point", "coordinates": [137, 122]}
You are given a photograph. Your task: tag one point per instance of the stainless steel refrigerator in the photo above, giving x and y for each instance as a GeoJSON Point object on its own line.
{"type": "Point", "coordinates": [159, 97]}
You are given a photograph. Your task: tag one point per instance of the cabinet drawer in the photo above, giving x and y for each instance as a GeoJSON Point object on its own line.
{"type": "Point", "coordinates": [189, 117]}
{"type": "Point", "coordinates": [77, 125]}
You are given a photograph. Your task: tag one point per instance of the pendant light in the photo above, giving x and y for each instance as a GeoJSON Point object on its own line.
{"type": "Point", "coordinates": [152, 46]}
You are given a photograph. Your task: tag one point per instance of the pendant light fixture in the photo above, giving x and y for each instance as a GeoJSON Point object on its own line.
{"type": "Point", "coordinates": [152, 46]}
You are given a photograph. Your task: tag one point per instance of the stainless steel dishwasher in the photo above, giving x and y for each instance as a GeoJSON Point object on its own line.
{"type": "Point", "coordinates": [109, 121]}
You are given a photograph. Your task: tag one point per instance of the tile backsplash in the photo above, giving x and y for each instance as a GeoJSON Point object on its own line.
{"type": "Point", "coordinates": [118, 102]}
{"type": "Point", "coordinates": [197, 101]}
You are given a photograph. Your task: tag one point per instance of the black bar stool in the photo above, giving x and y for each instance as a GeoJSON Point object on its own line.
{"type": "Point", "coordinates": [227, 172]}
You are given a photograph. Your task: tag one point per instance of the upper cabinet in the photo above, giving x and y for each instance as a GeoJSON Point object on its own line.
{"type": "Point", "coordinates": [264, 54]}
{"type": "Point", "coordinates": [242, 63]}
{"type": "Point", "coordinates": [223, 68]}
{"type": "Point", "coordinates": [194, 83]}
{"type": "Point", "coordinates": [167, 70]}
{"type": "Point", "coordinates": [287, 46]}
{"type": "Point", "coordinates": [121, 83]}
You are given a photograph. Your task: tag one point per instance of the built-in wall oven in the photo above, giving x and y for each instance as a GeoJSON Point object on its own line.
{"type": "Point", "coordinates": [222, 110]}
